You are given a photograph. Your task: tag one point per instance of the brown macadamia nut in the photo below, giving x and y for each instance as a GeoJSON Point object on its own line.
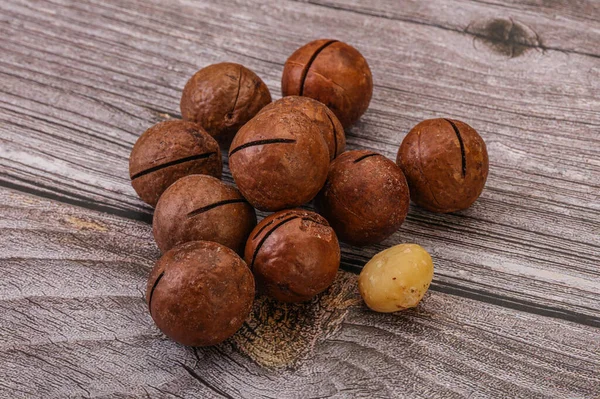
{"type": "Point", "coordinates": [328, 123]}
{"type": "Point", "coordinates": [294, 255]}
{"type": "Point", "coordinates": [199, 293]}
{"type": "Point", "coordinates": [446, 164]}
{"type": "Point", "coordinates": [279, 159]}
{"type": "Point", "coordinates": [333, 73]}
{"type": "Point", "coordinates": [222, 98]}
{"type": "Point", "coordinates": [365, 198]}
{"type": "Point", "coordinates": [169, 151]}
{"type": "Point", "coordinates": [396, 279]}
{"type": "Point", "coordinates": [200, 207]}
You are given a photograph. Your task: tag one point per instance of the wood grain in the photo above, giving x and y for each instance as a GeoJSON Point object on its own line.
{"type": "Point", "coordinates": [75, 323]}
{"type": "Point", "coordinates": [82, 80]}
{"type": "Point", "coordinates": [515, 304]}
{"type": "Point", "coordinates": [567, 34]}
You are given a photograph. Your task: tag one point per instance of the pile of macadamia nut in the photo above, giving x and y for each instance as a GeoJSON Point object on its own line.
{"type": "Point", "coordinates": [282, 155]}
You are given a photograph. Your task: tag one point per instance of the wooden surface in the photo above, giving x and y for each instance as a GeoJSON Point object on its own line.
{"type": "Point", "coordinates": [514, 310]}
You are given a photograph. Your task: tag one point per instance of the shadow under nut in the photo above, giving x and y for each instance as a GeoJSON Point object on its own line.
{"type": "Point", "coordinates": [365, 197]}
{"type": "Point", "coordinates": [333, 73]}
{"type": "Point", "coordinates": [169, 151]}
{"type": "Point", "coordinates": [279, 160]}
{"type": "Point", "coordinates": [446, 164]}
{"type": "Point", "coordinates": [293, 254]}
{"type": "Point", "coordinates": [200, 207]}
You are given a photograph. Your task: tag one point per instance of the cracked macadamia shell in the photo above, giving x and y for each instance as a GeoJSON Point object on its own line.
{"type": "Point", "coordinates": [294, 255]}
{"type": "Point", "coordinates": [199, 293]}
{"type": "Point", "coordinates": [279, 159]}
{"type": "Point", "coordinates": [333, 73]}
{"type": "Point", "coordinates": [365, 197]}
{"type": "Point", "coordinates": [200, 207]}
{"type": "Point", "coordinates": [396, 279]}
{"type": "Point", "coordinates": [222, 98]}
{"type": "Point", "coordinates": [446, 164]}
{"type": "Point", "coordinates": [169, 151]}
{"type": "Point", "coordinates": [328, 123]}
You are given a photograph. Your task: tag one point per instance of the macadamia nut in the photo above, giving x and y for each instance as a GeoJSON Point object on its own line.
{"type": "Point", "coordinates": [365, 197]}
{"type": "Point", "coordinates": [279, 160]}
{"type": "Point", "coordinates": [446, 164]}
{"type": "Point", "coordinates": [222, 98]}
{"type": "Point", "coordinates": [333, 73]}
{"type": "Point", "coordinates": [323, 117]}
{"type": "Point", "coordinates": [294, 255]}
{"type": "Point", "coordinates": [200, 207]}
{"type": "Point", "coordinates": [396, 279]}
{"type": "Point", "coordinates": [169, 151]}
{"type": "Point", "coordinates": [199, 293]}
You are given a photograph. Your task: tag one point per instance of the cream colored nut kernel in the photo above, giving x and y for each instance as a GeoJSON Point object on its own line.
{"type": "Point", "coordinates": [396, 279]}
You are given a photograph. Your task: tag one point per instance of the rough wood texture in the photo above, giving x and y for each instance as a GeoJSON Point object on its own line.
{"type": "Point", "coordinates": [75, 323]}
{"type": "Point", "coordinates": [515, 303]}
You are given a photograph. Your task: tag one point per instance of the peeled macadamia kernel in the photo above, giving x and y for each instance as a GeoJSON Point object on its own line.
{"type": "Point", "coordinates": [396, 279]}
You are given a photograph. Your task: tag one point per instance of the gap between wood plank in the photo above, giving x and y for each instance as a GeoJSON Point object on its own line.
{"type": "Point", "coordinates": [75, 200]}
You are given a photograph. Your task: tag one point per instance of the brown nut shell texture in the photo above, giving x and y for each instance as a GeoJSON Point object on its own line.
{"type": "Point", "coordinates": [169, 151]}
{"type": "Point", "coordinates": [328, 123]}
{"type": "Point", "coordinates": [294, 255]}
{"type": "Point", "coordinates": [333, 73]}
{"type": "Point", "coordinates": [222, 98]}
{"type": "Point", "coordinates": [365, 198]}
{"type": "Point", "coordinates": [446, 164]}
{"type": "Point", "coordinates": [200, 207]}
{"type": "Point", "coordinates": [279, 160]}
{"type": "Point", "coordinates": [199, 293]}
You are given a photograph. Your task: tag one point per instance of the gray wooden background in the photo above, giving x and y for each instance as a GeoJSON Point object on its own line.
{"type": "Point", "coordinates": [514, 310]}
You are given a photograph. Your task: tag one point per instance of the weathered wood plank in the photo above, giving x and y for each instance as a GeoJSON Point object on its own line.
{"type": "Point", "coordinates": [75, 323]}
{"type": "Point", "coordinates": [81, 80]}
{"type": "Point", "coordinates": [538, 25]}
